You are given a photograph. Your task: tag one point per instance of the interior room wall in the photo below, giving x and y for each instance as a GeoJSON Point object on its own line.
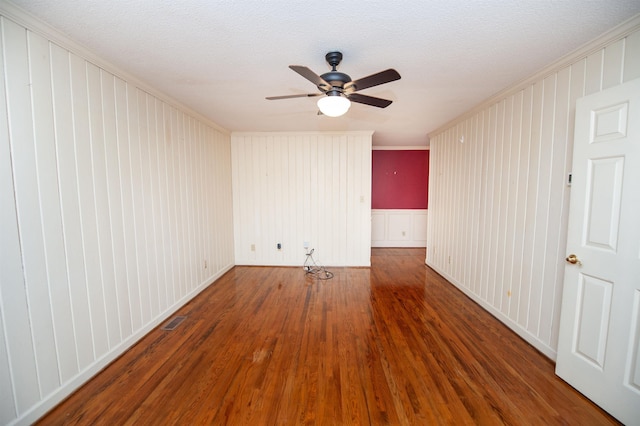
{"type": "Point", "coordinates": [498, 194]}
{"type": "Point", "coordinates": [116, 210]}
{"type": "Point", "coordinates": [399, 215]}
{"type": "Point", "coordinates": [399, 179]}
{"type": "Point", "coordinates": [297, 188]}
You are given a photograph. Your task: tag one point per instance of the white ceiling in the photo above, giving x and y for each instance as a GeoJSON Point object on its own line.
{"type": "Point", "coordinates": [221, 58]}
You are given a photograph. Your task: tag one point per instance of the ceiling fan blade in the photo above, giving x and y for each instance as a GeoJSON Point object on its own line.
{"type": "Point", "coordinates": [307, 95]}
{"type": "Point", "coordinates": [311, 76]}
{"type": "Point", "coordinates": [369, 100]}
{"type": "Point", "coordinates": [374, 79]}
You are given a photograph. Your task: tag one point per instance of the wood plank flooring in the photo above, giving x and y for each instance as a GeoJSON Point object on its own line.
{"type": "Point", "coordinates": [391, 344]}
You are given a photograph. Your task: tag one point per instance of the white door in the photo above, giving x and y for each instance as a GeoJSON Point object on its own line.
{"type": "Point", "coordinates": [599, 342]}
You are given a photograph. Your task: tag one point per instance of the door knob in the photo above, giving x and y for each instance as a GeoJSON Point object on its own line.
{"type": "Point", "coordinates": [573, 259]}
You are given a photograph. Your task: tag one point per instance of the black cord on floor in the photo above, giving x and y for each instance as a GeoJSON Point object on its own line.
{"type": "Point", "coordinates": [315, 270]}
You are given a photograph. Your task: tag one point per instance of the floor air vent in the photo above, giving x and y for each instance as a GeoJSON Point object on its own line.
{"type": "Point", "coordinates": [175, 322]}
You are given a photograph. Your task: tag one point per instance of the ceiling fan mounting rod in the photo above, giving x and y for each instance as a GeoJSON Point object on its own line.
{"type": "Point", "coordinates": [336, 79]}
{"type": "Point", "coordinates": [334, 59]}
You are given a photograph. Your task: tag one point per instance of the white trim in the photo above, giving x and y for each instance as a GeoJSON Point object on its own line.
{"type": "Point", "coordinates": [303, 133]}
{"type": "Point", "coordinates": [400, 148]}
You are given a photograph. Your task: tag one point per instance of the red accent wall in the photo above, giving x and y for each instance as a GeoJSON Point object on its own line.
{"type": "Point", "coordinates": [400, 179]}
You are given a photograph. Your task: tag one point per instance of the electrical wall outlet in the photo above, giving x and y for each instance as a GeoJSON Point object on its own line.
{"type": "Point", "coordinates": [253, 247]}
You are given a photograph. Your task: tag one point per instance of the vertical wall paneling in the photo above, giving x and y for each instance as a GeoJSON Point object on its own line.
{"type": "Point", "coordinates": [486, 175]}
{"type": "Point", "coordinates": [468, 201]}
{"type": "Point", "coordinates": [291, 188]}
{"type": "Point", "coordinates": [147, 207]}
{"type": "Point", "coordinates": [169, 188]}
{"type": "Point", "coordinates": [544, 209]}
{"type": "Point", "coordinates": [612, 67]}
{"type": "Point", "coordinates": [130, 297]}
{"type": "Point", "coordinates": [19, 394]}
{"type": "Point", "coordinates": [471, 151]}
{"type": "Point", "coordinates": [90, 241]}
{"type": "Point", "coordinates": [23, 152]}
{"type": "Point", "coordinates": [512, 134]}
{"type": "Point", "coordinates": [69, 218]}
{"type": "Point", "coordinates": [175, 204]}
{"type": "Point", "coordinates": [155, 209]}
{"type": "Point", "coordinates": [116, 210]}
{"type": "Point", "coordinates": [55, 312]}
{"type": "Point", "coordinates": [49, 168]}
{"type": "Point", "coordinates": [631, 62]}
{"type": "Point", "coordinates": [104, 294]}
{"type": "Point", "coordinates": [593, 82]}
{"type": "Point", "coordinates": [504, 124]}
{"type": "Point", "coordinates": [524, 142]}
{"type": "Point", "coordinates": [511, 173]}
{"type": "Point", "coordinates": [10, 263]}
{"type": "Point", "coordinates": [138, 200]}
{"type": "Point", "coordinates": [492, 181]}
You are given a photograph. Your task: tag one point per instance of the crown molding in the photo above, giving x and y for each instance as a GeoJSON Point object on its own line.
{"type": "Point", "coordinates": [609, 37]}
{"type": "Point", "coordinates": [35, 25]}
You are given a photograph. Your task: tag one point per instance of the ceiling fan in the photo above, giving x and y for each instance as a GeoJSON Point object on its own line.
{"type": "Point", "coordinates": [339, 89]}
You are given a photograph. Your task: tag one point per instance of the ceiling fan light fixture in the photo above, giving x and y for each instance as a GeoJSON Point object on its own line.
{"type": "Point", "coordinates": [334, 104]}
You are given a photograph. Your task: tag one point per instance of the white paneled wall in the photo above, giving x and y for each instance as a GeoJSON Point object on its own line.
{"type": "Point", "coordinates": [116, 210]}
{"type": "Point", "coordinates": [292, 188]}
{"type": "Point", "coordinates": [399, 228]}
{"type": "Point", "coordinates": [498, 195]}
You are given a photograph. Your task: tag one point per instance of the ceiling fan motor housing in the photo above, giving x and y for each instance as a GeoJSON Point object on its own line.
{"type": "Point", "coordinates": [335, 78]}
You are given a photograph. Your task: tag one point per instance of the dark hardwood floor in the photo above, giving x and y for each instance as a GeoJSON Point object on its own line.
{"type": "Point", "coordinates": [393, 344]}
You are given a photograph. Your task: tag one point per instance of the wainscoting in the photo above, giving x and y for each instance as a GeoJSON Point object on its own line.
{"type": "Point", "coordinates": [399, 228]}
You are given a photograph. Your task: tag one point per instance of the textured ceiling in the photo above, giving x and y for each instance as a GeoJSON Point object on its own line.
{"type": "Point", "coordinates": [221, 58]}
